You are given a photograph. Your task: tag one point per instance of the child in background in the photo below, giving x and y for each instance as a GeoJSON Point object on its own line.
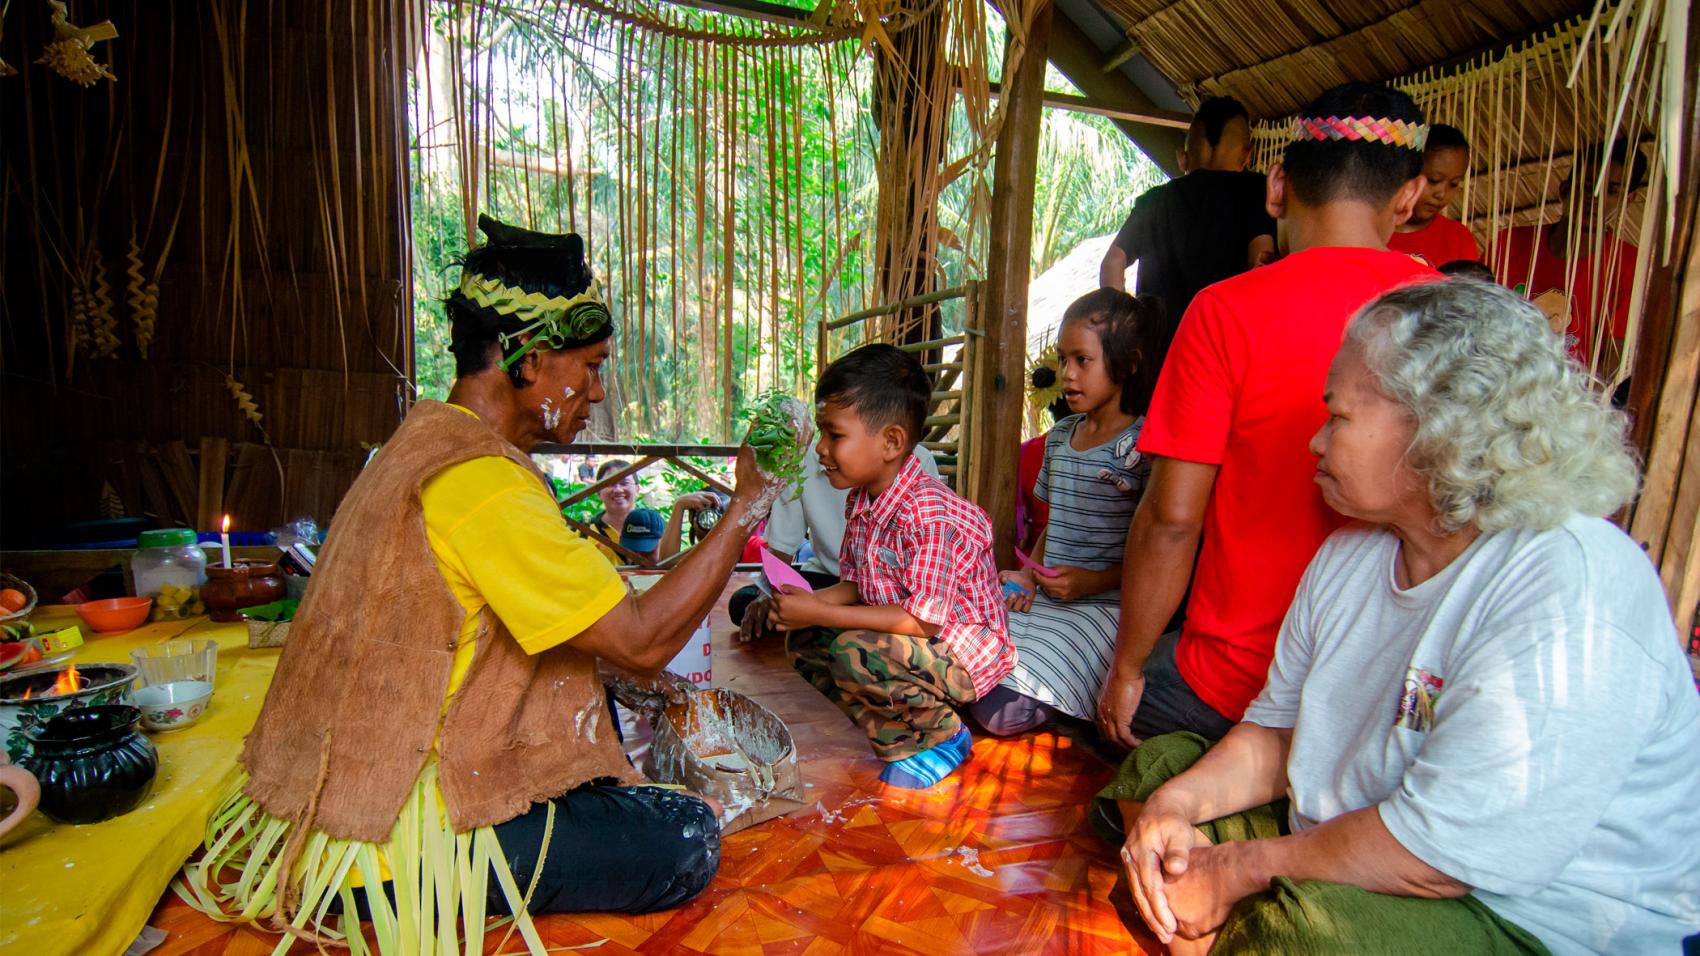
{"type": "Point", "coordinates": [1466, 269]}
{"type": "Point", "coordinates": [1429, 234]}
{"type": "Point", "coordinates": [1065, 629]}
{"type": "Point", "coordinates": [916, 628]}
{"type": "Point", "coordinates": [1580, 265]}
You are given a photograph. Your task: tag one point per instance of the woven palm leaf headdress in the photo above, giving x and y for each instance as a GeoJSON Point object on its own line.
{"type": "Point", "coordinates": [534, 290]}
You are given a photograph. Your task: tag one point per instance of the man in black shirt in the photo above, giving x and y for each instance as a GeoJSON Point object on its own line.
{"type": "Point", "coordinates": [1209, 224]}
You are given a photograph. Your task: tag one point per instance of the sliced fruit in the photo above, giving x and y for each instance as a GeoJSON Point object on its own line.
{"type": "Point", "coordinates": [12, 654]}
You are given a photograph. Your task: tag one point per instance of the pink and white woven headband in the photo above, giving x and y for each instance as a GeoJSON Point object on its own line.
{"type": "Point", "coordinates": [1367, 129]}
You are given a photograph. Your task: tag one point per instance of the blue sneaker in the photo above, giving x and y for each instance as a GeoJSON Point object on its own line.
{"type": "Point", "coordinates": [928, 767]}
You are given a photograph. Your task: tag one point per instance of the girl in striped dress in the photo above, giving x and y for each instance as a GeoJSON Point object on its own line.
{"type": "Point", "coordinates": [1064, 625]}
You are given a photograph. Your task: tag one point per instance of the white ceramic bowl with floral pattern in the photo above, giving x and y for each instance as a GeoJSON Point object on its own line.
{"type": "Point", "coordinates": [173, 706]}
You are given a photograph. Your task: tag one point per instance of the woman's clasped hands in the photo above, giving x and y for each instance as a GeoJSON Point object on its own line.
{"type": "Point", "coordinates": [1183, 886]}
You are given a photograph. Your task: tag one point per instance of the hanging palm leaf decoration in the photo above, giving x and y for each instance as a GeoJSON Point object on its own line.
{"type": "Point", "coordinates": [68, 53]}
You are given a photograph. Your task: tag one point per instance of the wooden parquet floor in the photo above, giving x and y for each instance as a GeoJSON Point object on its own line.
{"type": "Point", "coordinates": [997, 860]}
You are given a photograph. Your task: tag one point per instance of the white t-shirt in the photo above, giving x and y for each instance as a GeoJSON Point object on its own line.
{"type": "Point", "coordinates": [1525, 720]}
{"type": "Point", "coordinates": [819, 513]}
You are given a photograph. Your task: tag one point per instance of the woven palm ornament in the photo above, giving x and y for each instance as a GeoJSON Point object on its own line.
{"type": "Point", "coordinates": [554, 321]}
{"type": "Point", "coordinates": [68, 54]}
{"type": "Point", "coordinates": [1040, 398]}
{"type": "Point", "coordinates": [1366, 129]}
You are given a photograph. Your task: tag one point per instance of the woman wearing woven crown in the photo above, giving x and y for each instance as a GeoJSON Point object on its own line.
{"type": "Point", "coordinates": [436, 743]}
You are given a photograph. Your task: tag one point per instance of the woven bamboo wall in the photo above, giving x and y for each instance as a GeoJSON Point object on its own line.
{"type": "Point", "coordinates": [251, 153]}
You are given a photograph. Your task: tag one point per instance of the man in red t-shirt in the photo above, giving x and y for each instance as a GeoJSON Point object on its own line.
{"type": "Point", "coordinates": [1537, 260]}
{"type": "Point", "coordinates": [1239, 397]}
{"type": "Point", "coordinates": [1429, 234]}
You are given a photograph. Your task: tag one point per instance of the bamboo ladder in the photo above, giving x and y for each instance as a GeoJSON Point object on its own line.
{"type": "Point", "coordinates": [946, 428]}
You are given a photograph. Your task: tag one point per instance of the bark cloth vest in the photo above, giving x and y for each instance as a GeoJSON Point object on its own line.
{"type": "Point", "coordinates": [353, 709]}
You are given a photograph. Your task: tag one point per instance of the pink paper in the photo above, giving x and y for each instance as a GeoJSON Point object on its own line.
{"type": "Point", "coordinates": [780, 574]}
{"type": "Point", "coordinates": [1036, 566]}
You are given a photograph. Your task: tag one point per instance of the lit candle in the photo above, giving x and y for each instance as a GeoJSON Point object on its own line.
{"type": "Point", "coordinates": [224, 539]}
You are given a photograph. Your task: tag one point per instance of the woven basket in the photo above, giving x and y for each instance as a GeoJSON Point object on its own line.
{"type": "Point", "coordinates": [12, 581]}
{"type": "Point", "coordinates": [267, 633]}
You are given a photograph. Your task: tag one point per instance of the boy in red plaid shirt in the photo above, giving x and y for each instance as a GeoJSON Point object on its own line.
{"type": "Point", "coordinates": [916, 628]}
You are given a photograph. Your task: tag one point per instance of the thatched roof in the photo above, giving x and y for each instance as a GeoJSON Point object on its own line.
{"type": "Point", "coordinates": [1502, 72]}
{"type": "Point", "coordinates": [1051, 291]}
{"type": "Point", "coordinates": [1275, 55]}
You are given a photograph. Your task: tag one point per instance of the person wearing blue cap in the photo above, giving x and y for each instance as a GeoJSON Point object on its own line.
{"type": "Point", "coordinates": [641, 531]}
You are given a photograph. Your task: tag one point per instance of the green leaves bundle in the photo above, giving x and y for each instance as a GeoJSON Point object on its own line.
{"type": "Point", "coordinates": [780, 432]}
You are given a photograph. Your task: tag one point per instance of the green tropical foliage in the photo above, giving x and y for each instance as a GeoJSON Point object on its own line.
{"type": "Point", "coordinates": [560, 155]}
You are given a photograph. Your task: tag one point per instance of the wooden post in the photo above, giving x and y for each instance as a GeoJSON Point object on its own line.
{"type": "Point", "coordinates": [209, 507]}
{"type": "Point", "coordinates": [1664, 397]}
{"type": "Point", "coordinates": [1664, 287]}
{"type": "Point", "coordinates": [999, 383]}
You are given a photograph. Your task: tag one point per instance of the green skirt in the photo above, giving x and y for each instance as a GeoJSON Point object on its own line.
{"type": "Point", "coordinates": [1314, 917]}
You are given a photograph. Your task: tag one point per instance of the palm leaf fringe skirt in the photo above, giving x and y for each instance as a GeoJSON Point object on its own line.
{"type": "Point", "coordinates": [440, 880]}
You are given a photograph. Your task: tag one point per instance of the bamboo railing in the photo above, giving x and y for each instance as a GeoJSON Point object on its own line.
{"type": "Point", "coordinates": [646, 455]}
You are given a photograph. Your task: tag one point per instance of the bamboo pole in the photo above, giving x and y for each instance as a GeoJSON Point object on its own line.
{"type": "Point", "coordinates": [942, 295]}
{"type": "Point", "coordinates": [624, 121]}
{"type": "Point", "coordinates": [1647, 395]}
{"type": "Point", "coordinates": [768, 252]}
{"type": "Point", "coordinates": [799, 310]}
{"type": "Point", "coordinates": [675, 296]}
{"type": "Point", "coordinates": [700, 161]}
{"type": "Point", "coordinates": [729, 137]}
{"type": "Point", "coordinates": [1670, 454]}
{"type": "Point", "coordinates": [1000, 366]}
{"type": "Point", "coordinates": [928, 344]}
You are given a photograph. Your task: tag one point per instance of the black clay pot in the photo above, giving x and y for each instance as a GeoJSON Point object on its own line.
{"type": "Point", "coordinates": [93, 763]}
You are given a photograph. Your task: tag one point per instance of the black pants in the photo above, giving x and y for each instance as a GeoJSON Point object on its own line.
{"type": "Point", "coordinates": [613, 850]}
{"type": "Point", "coordinates": [1169, 704]}
{"type": "Point", "coordinates": [742, 598]}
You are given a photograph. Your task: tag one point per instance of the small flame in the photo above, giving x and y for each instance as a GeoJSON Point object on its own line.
{"type": "Point", "coordinates": [27, 692]}
{"type": "Point", "coordinates": [68, 681]}
{"type": "Point", "coordinates": [225, 526]}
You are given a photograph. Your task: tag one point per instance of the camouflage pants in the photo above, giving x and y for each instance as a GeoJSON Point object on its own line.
{"type": "Point", "coordinates": [902, 691]}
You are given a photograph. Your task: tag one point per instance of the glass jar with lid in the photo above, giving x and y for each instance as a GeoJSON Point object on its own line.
{"type": "Point", "coordinates": [170, 567]}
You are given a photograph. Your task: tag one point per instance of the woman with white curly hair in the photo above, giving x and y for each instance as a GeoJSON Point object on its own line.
{"type": "Point", "coordinates": [1479, 725]}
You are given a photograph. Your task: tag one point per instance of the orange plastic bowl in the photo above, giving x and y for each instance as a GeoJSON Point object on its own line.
{"type": "Point", "coordinates": [115, 614]}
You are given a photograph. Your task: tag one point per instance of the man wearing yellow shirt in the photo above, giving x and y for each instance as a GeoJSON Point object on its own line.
{"type": "Point", "coordinates": [437, 726]}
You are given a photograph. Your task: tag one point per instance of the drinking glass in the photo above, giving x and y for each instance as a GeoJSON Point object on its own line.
{"type": "Point", "coordinates": [177, 660]}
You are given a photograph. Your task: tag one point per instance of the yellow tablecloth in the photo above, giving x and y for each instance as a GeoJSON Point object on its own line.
{"type": "Point", "coordinates": [90, 889]}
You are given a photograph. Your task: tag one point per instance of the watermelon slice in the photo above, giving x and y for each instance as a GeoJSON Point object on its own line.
{"type": "Point", "coordinates": [13, 653]}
